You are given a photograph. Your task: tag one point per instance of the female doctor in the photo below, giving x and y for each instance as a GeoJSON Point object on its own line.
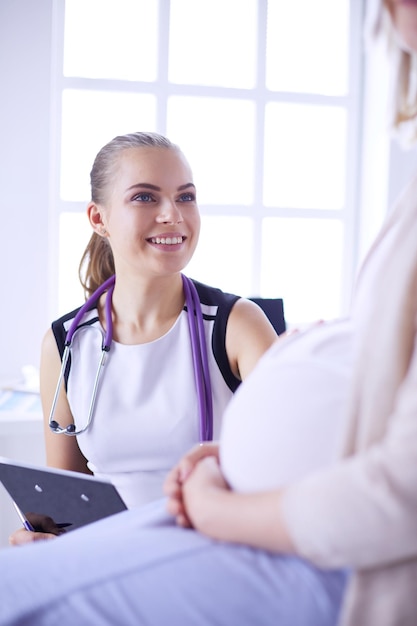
{"type": "Point", "coordinates": [136, 419]}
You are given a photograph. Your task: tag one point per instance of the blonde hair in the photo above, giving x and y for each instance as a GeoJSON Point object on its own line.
{"type": "Point", "coordinates": [97, 262]}
{"type": "Point", "coordinates": [403, 106]}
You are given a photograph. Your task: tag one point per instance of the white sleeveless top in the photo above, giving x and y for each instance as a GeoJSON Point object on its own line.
{"type": "Point", "coordinates": [146, 414]}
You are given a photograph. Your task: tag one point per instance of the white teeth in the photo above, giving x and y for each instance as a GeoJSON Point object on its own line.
{"type": "Point", "coordinates": [168, 241]}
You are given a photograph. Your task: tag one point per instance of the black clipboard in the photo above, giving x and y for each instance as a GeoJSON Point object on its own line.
{"type": "Point", "coordinates": [72, 499]}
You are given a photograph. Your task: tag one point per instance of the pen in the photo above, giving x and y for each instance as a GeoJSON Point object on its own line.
{"type": "Point", "coordinates": [63, 524]}
{"type": "Point", "coordinates": [23, 519]}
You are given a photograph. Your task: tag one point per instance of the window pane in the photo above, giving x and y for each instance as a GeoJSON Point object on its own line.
{"type": "Point", "coordinates": [302, 263]}
{"type": "Point", "coordinates": [209, 46]}
{"type": "Point", "coordinates": [307, 46]}
{"type": "Point", "coordinates": [218, 138]}
{"type": "Point", "coordinates": [305, 151]}
{"type": "Point", "coordinates": [224, 255]}
{"type": "Point", "coordinates": [108, 39]}
{"type": "Point", "coordinates": [74, 234]}
{"type": "Point", "coordinates": [89, 120]}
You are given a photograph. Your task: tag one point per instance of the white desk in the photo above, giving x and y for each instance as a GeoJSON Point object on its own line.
{"type": "Point", "coordinates": [21, 438]}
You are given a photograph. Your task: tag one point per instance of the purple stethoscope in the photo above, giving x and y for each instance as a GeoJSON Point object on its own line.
{"type": "Point", "coordinates": [198, 347]}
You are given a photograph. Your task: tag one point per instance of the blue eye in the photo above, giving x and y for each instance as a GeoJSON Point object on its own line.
{"type": "Point", "coordinates": [187, 197]}
{"type": "Point", "coordinates": [143, 197]}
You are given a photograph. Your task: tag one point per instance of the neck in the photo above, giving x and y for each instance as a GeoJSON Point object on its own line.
{"type": "Point", "coordinates": [144, 310]}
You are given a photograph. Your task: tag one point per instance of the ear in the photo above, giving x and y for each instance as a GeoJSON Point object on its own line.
{"type": "Point", "coordinates": [95, 216]}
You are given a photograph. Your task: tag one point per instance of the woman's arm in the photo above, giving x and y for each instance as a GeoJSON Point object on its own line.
{"type": "Point", "coordinates": [62, 451]}
{"type": "Point", "coordinates": [249, 334]}
{"type": "Point", "coordinates": [251, 519]}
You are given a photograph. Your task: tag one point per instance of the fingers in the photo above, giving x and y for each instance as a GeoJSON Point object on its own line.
{"type": "Point", "coordinates": [45, 524]}
{"type": "Point", "coordinates": [171, 486]}
{"type": "Point", "coordinates": [186, 464]}
{"type": "Point", "coordinates": [179, 472]}
{"type": "Point", "coordinates": [174, 506]}
{"type": "Point", "coordinates": [176, 509]}
{"type": "Point", "coordinates": [177, 477]}
{"type": "Point", "coordinates": [23, 536]}
{"type": "Point", "coordinates": [183, 521]}
{"type": "Point", "coordinates": [45, 528]}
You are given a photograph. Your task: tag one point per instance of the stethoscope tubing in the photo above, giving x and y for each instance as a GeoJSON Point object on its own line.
{"type": "Point", "coordinates": [198, 349]}
{"type": "Point", "coordinates": [108, 286]}
{"type": "Point", "coordinates": [200, 360]}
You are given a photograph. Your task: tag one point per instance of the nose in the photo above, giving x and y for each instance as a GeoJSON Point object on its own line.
{"type": "Point", "coordinates": [169, 213]}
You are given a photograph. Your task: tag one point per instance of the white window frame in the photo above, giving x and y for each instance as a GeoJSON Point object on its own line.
{"type": "Point", "coordinates": [163, 89]}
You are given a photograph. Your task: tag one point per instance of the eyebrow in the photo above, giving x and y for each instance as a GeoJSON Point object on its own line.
{"type": "Point", "coordinates": [156, 188]}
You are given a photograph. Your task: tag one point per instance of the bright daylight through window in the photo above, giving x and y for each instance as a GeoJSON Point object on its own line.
{"type": "Point", "coordinates": [265, 114]}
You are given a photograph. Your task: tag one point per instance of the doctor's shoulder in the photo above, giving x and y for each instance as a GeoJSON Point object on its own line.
{"type": "Point", "coordinates": [248, 317]}
{"type": "Point", "coordinates": [52, 349]}
{"type": "Point", "coordinates": [249, 335]}
{"type": "Point", "coordinates": [240, 324]}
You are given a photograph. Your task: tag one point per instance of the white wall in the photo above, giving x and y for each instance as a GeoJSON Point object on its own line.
{"type": "Point", "coordinates": [25, 74]}
{"type": "Point", "coordinates": [21, 439]}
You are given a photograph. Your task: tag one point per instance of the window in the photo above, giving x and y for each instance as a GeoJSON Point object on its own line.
{"type": "Point", "coordinates": [264, 102]}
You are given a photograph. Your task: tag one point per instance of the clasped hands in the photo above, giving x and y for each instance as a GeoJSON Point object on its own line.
{"type": "Point", "coordinates": [192, 484]}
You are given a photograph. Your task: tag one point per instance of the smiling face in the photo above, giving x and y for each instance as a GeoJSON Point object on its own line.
{"type": "Point", "coordinates": [149, 212]}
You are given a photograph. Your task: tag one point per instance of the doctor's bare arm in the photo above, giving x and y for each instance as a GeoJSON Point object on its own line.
{"type": "Point", "coordinates": [62, 451]}
{"type": "Point", "coordinates": [249, 334]}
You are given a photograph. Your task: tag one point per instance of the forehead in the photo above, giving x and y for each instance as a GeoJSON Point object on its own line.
{"type": "Point", "coordinates": [145, 164]}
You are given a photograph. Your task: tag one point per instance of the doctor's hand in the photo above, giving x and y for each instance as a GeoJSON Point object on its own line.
{"type": "Point", "coordinates": [45, 528]}
{"type": "Point", "coordinates": [173, 486]}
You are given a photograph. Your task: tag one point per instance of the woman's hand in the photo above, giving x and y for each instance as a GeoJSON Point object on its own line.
{"type": "Point", "coordinates": [45, 528]}
{"type": "Point", "coordinates": [174, 482]}
{"type": "Point", "coordinates": [201, 492]}
{"type": "Point", "coordinates": [212, 508]}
